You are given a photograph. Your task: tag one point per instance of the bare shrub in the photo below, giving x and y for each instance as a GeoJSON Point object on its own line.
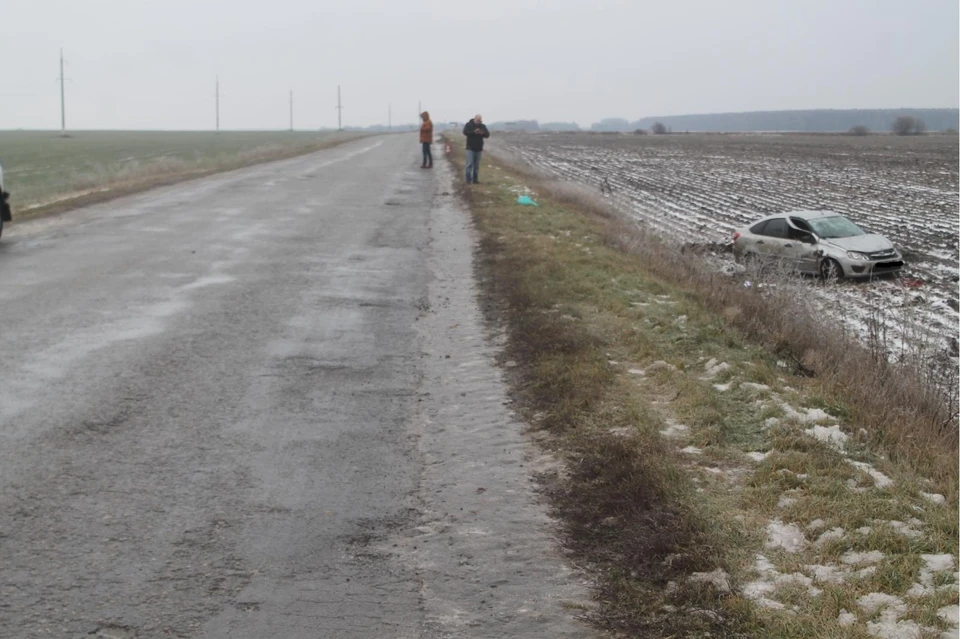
{"type": "Point", "coordinates": [908, 125]}
{"type": "Point", "coordinates": [658, 128]}
{"type": "Point", "coordinates": [858, 130]}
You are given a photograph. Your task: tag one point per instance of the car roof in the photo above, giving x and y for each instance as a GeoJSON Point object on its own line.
{"type": "Point", "coordinates": [811, 215]}
{"type": "Point", "coordinates": [803, 215]}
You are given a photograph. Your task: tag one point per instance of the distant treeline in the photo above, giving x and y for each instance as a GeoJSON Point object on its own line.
{"type": "Point", "coordinates": [815, 120]}
{"type": "Point", "coordinates": [809, 121]}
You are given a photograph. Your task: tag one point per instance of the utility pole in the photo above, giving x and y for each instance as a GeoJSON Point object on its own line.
{"type": "Point", "coordinates": [218, 103]}
{"type": "Point", "coordinates": [63, 103]}
{"type": "Point", "coordinates": [339, 111]}
{"type": "Point", "coordinates": [291, 109]}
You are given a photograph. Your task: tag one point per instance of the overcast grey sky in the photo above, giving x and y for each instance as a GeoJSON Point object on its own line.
{"type": "Point", "coordinates": [150, 64]}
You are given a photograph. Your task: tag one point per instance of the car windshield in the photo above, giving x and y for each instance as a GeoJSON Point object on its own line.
{"type": "Point", "coordinates": [837, 226]}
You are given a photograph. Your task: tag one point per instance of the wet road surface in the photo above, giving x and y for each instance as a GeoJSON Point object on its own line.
{"type": "Point", "coordinates": [227, 410]}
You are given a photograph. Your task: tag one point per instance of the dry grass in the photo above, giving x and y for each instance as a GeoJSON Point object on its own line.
{"type": "Point", "coordinates": [911, 413]}
{"type": "Point", "coordinates": [612, 329]}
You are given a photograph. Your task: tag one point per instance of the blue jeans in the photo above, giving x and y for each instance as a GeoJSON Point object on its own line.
{"type": "Point", "coordinates": [473, 165]}
{"type": "Point", "coordinates": [427, 155]}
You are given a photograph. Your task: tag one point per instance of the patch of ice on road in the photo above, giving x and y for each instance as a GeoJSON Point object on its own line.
{"type": "Point", "coordinates": [691, 450]}
{"type": "Point", "coordinates": [879, 479]}
{"type": "Point", "coordinates": [832, 436]}
{"type": "Point", "coordinates": [758, 456]}
{"type": "Point", "coordinates": [719, 578]}
{"type": "Point", "coordinates": [208, 280]}
{"type": "Point", "coordinates": [785, 536]}
{"type": "Point", "coordinates": [934, 498]}
{"type": "Point", "coordinates": [854, 558]}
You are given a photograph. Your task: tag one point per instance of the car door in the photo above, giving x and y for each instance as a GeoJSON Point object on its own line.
{"type": "Point", "coordinates": [773, 237]}
{"type": "Point", "coordinates": [802, 246]}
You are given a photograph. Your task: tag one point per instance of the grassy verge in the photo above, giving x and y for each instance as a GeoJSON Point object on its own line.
{"type": "Point", "coordinates": [712, 484]}
{"type": "Point", "coordinates": [48, 174]}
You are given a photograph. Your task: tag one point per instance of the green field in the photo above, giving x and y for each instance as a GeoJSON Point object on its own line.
{"type": "Point", "coordinates": [42, 169]}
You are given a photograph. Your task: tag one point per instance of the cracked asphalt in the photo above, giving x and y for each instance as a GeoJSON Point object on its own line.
{"type": "Point", "coordinates": [265, 404]}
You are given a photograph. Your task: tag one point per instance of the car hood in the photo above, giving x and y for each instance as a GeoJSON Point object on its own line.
{"type": "Point", "coordinates": [863, 243]}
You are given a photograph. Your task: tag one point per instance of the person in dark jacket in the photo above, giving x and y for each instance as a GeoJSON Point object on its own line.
{"type": "Point", "coordinates": [426, 139]}
{"type": "Point", "coordinates": [476, 132]}
{"type": "Point", "coordinates": [5, 213]}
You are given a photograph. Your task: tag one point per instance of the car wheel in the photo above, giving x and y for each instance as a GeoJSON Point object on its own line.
{"type": "Point", "coordinates": [830, 269]}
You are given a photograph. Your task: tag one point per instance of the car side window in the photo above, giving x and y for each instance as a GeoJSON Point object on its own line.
{"type": "Point", "coordinates": [758, 228]}
{"type": "Point", "coordinates": [777, 227]}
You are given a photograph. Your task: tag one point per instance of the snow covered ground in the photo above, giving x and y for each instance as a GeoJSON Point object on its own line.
{"type": "Point", "coordinates": [701, 188]}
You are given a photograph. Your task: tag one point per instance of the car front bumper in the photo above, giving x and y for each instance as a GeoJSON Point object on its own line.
{"type": "Point", "coordinates": [872, 268]}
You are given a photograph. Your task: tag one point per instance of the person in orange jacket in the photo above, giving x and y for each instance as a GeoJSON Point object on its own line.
{"type": "Point", "coordinates": [426, 139]}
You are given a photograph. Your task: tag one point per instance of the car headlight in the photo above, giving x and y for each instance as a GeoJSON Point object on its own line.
{"type": "Point", "coordinates": [853, 255]}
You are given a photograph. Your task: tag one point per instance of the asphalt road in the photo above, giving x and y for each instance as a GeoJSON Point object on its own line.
{"type": "Point", "coordinates": [264, 404]}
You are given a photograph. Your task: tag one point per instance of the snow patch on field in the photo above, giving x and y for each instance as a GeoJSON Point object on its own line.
{"type": "Point", "coordinates": [832, 436]}
{"type": "Point", "coordinates": [879, 479]}
{"type": "Point", "coordinates": [713, 368]}
{"type": "Point", "coordinates": [786, 536]}
{"type": "Point", "coordinates": [702, 192]}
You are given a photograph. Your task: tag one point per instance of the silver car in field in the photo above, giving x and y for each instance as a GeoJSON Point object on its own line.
{"type": "Point", "coordinates": [817, 242]}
